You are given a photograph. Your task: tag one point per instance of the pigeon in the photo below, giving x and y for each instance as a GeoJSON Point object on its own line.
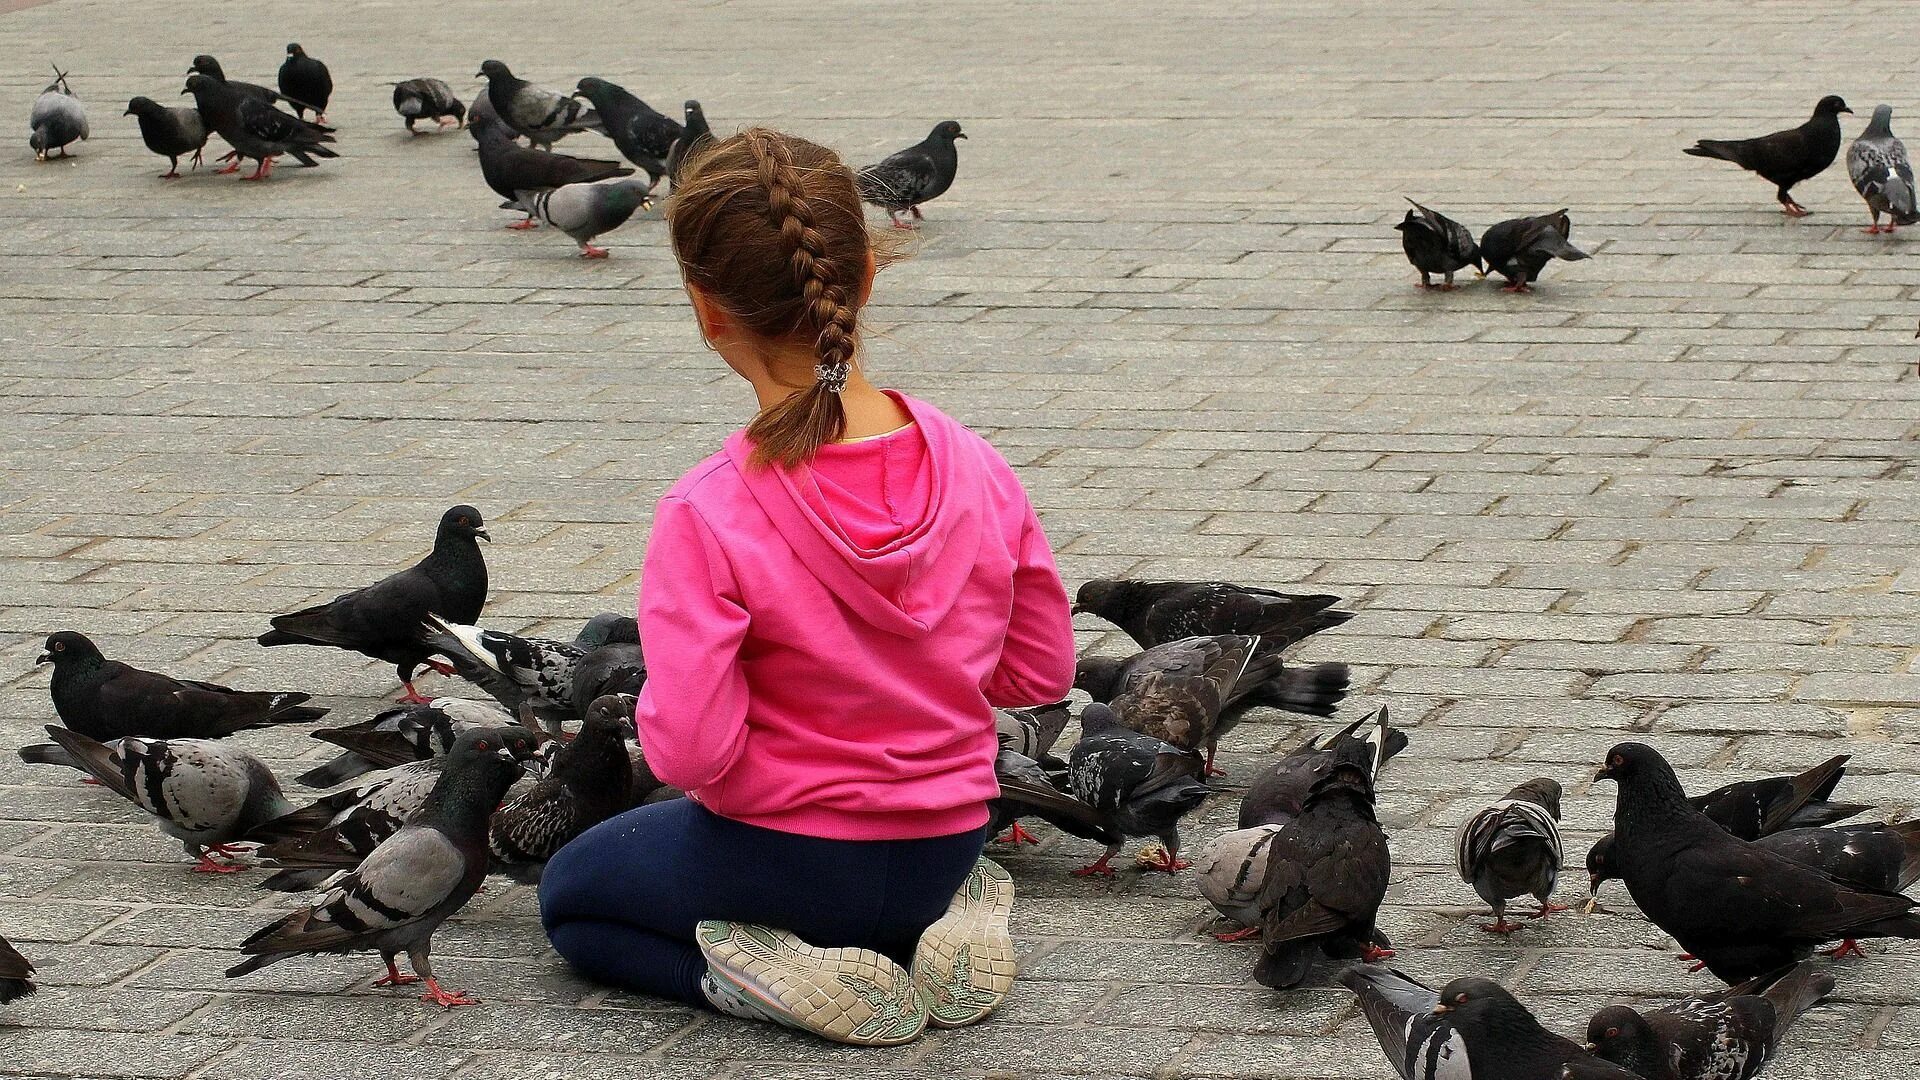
{"type": "Point", "coordinates": [1266, 680]}
{"type": "Point", "coordinates": [1471, 1029]}
{"type": "Point", "coordinates": [1877, 163]}
{"type": "Point", "coordinates": [919, 174]}
{"type": "Point", "coordinates": [105, 699]}
{"type": "Point", "coordinates": [169, 132]}
{"type": "Point", "coordinates": [1033, 781]}
{"type": "Point", "coordinates": [1785, 158]}
{"type": "Point", "coordinates": [1726, 1036]}
{"type": "Point", "coordinates": [202, 792]}
{"type": "Point", "coordinates": [694, 133]}
{"type": "Point", "coordinates": [1327, 872]}
{"type": "Point", "coordinates": [208, 66]}
{"type": "Point", "coordinates": [1521, 247]}
{"type": "Point", "coordinates": [644, 136]}
{"type": "Point", "coordinates": [306, 83]}
{"type": "Point", "coordinates": [584, 211]}
{"type": "Point", "coordinates": [608, 628]}
{"type": "Point", "coordinates": [511, 169]}
{"type": "Point", "coordinates": [1738, 908]}
{"type": "Point", "coordinates": [398, 735]}
{"type": "Point", "coordinates": [401, 893]}
{"type": "Point", "coordinates": [544, 116]}
{"type": "Point", "coordinates": [1154, 612]}
{"type": "Point", "coordinates": [427, 99]}
{"type": "Point", "coordinates": [1032, 732]}
{"type": "Point", "coordinates": [57, 119]}
{"type": "Point", "coordinates": [530, 677]}
{"type": "Point", "coordinates": [1512, 848]}
{"type": "Point", "coordinates": [590, 780]}
{"type": "Point", "coordinates": [481, 112]}
{"type": "Point", "coordinates": [1139, 785]}
{"type": "Point", "coordinates": [617, 667]}
{"type": "Point", "coordinates": [255, 129]}
{"type": "Point", "coordinates": [381, 620]}
{"type": "Point", "coordinates": [15, 972]}
{"type": "Point", "coordinates": [1177, 694]}
{"type": "Point", "coordinates": [1437, 244]}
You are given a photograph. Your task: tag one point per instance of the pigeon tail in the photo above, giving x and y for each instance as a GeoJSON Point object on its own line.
{"type": "Point", "coordinates": [338, 771]}
{"type": "Point", "coordinates": [1285, 964]}
{"type": "Point", "coordinates": [1797, 991]}
{"type": "Point", "coordinates": [1715, 148]}
{"type": "Point", "coordinates": [47, 754]}
{"type": "Point", "coordinates": [1313, 691]}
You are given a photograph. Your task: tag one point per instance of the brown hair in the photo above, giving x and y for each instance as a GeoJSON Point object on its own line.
{"type": "Point", "coordinates": [769, 226]}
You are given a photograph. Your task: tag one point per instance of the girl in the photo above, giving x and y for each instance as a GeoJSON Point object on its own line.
{"type": "Point", "coordinates": [831, 606]}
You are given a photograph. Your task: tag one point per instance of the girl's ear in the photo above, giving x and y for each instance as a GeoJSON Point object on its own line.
{"type": "Point", "coordinates": [712, 317]}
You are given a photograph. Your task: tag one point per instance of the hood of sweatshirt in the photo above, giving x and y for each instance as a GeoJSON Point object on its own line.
{"type": "Point", "coordinates": [914, 571]}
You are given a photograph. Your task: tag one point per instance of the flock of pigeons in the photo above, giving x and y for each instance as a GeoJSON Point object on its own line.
{"type": "Point", "coordinates": [1749, 879]}
{"type": "Point", "coordinates": [582, 197]}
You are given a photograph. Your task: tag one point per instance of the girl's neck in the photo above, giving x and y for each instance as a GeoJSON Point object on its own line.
{"type": "Point", "coordinates": [870, 410]}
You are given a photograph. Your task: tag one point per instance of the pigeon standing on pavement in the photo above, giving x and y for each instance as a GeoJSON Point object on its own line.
{"type": "Point", "coordinates": [202, 792]}
{"type": "Point", "coordinates": [1153, 612]}
{"type": "Point", "coordinates": [169, 132]}
{"type": "Point", "coordinates": [694, 133]}
{"type": "Point", "coordinates": [1180, 701]}
{"type": "Point", "coordinates": [584, 211]}
{"type": "Point", "coordinates": [1140, 785]}
{"type": "Point", "coordinates": [1266, 680]}
{"type": "Point", "coordinates": [57, 119]}
{"type": "Point", "coordinates": [1512, 848]}
{"type": "Point", "coordinates": [105, 699]}
{"type": "Point", "coordinates": [306, 83]}
{"type": "Point", "coordinates": [1877, 163]}
{"type": "Point", "coordinates": [1437, 244]}
{"type": "Point", "coordinates": [1471, 1029]}
{"type": "Point", "coordinates": [15, 973]}
{"type": "Point", "coordinates": [544, 116]}
{"type": "Point", "coordinates": [255, 129]}
{"type": "Point", "coordinates": [644, 136]}
{"type": "Point", "coordinates": [382, 620]}
{"type": "Point", "coordinates": [427, 99]}
{"type": "Point", "coordinates": [919, 174]}
{"type": "Point", "coordinates": [1785, 158]}
{"type": "Point", "coordinates": [1730, 1035]}
{"type": "Point", "coordinates": [1739, 909]}
{"type": "Point", "coordinates": [590, 781]}
{"type": "Point", "coordinates": [512, 170]}
{"type": "Point", "coordinates": [1520, 248]}
{"type": "Point", "coordinates": [401, 893]}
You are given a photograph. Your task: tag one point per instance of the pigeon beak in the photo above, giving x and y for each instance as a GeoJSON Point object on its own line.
{"type": "Point", "coordinates": [961, 135]}
{"type": "Point", "coordinates": [1442, 1009]}
{"type": "Point", "coordinates": [44, 658]}
{"type": "Point", "coordinates": [484, 535]}
{"type": "Point", "coordinates": [1078, 610]}
{"type": "Point", "coordinates": [1591, 1048]}
{"type": "Point", "coordinates": [1593, 885]}
{"type": "Point", "coordinates": [1603, 773]}
{"type": "Point", "coordinates": [185, 92]}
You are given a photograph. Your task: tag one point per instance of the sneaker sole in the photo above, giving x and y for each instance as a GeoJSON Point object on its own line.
{"type": "Point", "coordinates": [852, 996]}
{"type": "Point", "coordinates": [966, 962]}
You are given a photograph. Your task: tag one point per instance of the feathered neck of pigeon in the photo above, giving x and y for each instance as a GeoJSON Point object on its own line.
{"type": "Point", "coordinates": [469, 789]}
{"type": "Point", "coordinates": [450, 542]}
{"type": "Point", "coordinates": [1882, 124]}
{"type": "Point", "coordinates": [1099, 676]}
{"type": "Point", "coordinates": [1650, 796]}
{"type": "Point", "coordinates": [1631, 1045]}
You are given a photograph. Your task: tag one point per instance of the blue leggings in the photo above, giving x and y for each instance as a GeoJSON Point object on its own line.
{"type": "Point", "coordinates": [620, 902]}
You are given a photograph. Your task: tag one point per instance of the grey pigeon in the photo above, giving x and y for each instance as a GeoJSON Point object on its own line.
{"type": "Point", "coordinates": [530, 677]}
{"type": "Point", "coordinates": [1033, 782]}
{"type": "Point", "coordinates": [644, 136]}
{"type": "Point", "coordinates": [401, 893]}
{"type": "Point", "coordinates": [204, 793]}
{"type": "Point", "coordinates": [694, 133]}
{"type": "Point", "coordinates": [1180, 699]}
{"type": "Point", "coordinates": [1730, 1035]}
{"type": "Point", "coordinates": [590, 780]}
{"type": "Point", "coordinates": [169, 132]}
{"type": "Point", "coordinates": [544, 116]}
{"type": "Point", "coordinates": [382, 619]}
{"type": "Point", "coordinates": [106, 699]}
{"type": "Point", "coordinates": [919, 174]}
{"type": "Point", "coordinates": [1512, 848]}
{"type": "Point", "coordinates": [427, 99]}
{"type": "Point", "coordinates": [584, 211]}
{"type": "Point", "coordinates": [608, 628]}
{"type": "Point", "coordinates": [511, 170]}
{"type": "Point", "coordinates": [1437, 244]}
{"type": "Point", "coordinates": [1139, 785]}
{"type": "Point", "coordinates": [1787, 157]}
{"type": "Point", "coordinates": [1877, 163]}
{"type": "Point", "coordinates": [1153, 612]}
{"type": "Point", "coordinates": [57, 119]}
{"type": "Point", "coordinates": [15, 972]}
{"type": "Point", "coordinates": [307, 83]}
{"type": "Point", "coordinates": [406, 732]}
{"type": "Point", "coordinates": [256, 129]}
{"type": "Point", "coordinates": [1520, 248]}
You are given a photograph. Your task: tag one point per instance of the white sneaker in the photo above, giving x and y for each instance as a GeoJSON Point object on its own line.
{"type": "Point", "coordinates": [965, 963]}
{"type": "Point", "coordinates": [854, 996]}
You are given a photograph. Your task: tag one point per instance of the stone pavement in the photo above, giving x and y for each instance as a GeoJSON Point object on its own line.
{"type": "Point", "coordinates": [1671, 495]}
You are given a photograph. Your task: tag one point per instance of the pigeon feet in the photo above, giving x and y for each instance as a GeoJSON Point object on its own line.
{"type": "Point", "coordinates": [442, 667]}
{"type": "Point", "coordinates": [174, 175]}
{"type": "Point", "coordinates": [588, 251]}
{"type": "Point", "coordinates": [1517, 287]}
{"type": "Point", "coordinates": [1373, 954]}
{"type": "Point", "coordinates": [447, 999]}
{"type": "Point", "coordinates": [262, 171]}
{"type": "Point", "coordinates": [1549, 908]}
{"type": "Point", "coordinates": [394, 978]}
{"type": "Point", "coordinates": [1794, 210]}
{"type": "Point", "coordinates": [527, 223]}
{"type": "Point", "coordinates": [208, 865]}
{"type": "Point", "coordinates": [1847, 948]}
{"type": "Point", "coordinates": [1500, 926]}
{"type": "Point", "coordinates": [1241, 934]}
{"type": "Point", "coordinates": [446, 121]}
{"type": "Point", "coordinates": [233, 168]}
{"type": "Point", "coordinates": [1165, 861]}
{"type": "Point", "coordinates": [1874, 229]}
{"type": "Point", "coordinates": [1096, 869]}
{"type": "Point", "coordinates": [414, 697]}
{"type": "Point", "coordinates": [1016, 835]}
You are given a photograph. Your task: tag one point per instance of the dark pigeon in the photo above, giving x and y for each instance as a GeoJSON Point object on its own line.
{"type": "Point", "coordinates": [1741, 910]}
{"type": "Point", "coordinates": [58, 119]}
{"type": "Point", "coordinates": [1178, 694]}
{"type": "Point", "coordinates": [919, 174]}
{"type": "Point", "coordinates": [427, 99]}
{"type": "Point", "coordinates": [1034, 783]}
{"type": "Point", "coordinates": [1139, 785]}
{"type": "Point", "coordinates": [590, 780]}
{"type": "Point", "coordinates": [15, 973]}
{"type": "Point", "coordinates": [255, 129]}
{"type": "Point", "coordinates": [608, 628]}
{"type": "Point", "coordinates": [1471, 1029]}
{"type": "Point", "coordinates": [105, 699]}
{"type": "Point", "coordinates": [1155, 612]}
{"type": "Point", "coordinates": [584, 211]}
{"type": "Point", "coordinates": [382, 620]}
{"type": "Point", "coordinates": [204, 793]}
{"type": "Point", "coordinates": [208, 66]}
{"type": "Point", "coordinates": [1327, 873]}
{"type": "Point", "coordinates": [544, 116]}
{"type": "Point", "coordinates": [398, 735]}
{"type": "Point", "coordinates": [644, 136]}
{"type": "Point", "coordinates": [616, 667]}
{"type": "Point", "coordinates": [306, 83]}
{"type": "Point", "coordinates": [694, 134]}
{"type": "Point", "coordinates": [530, 677]}
{"type": "Point", "coordinates": [1521, 247]}
{"type": "Point", "coordinates": [1726, 1036]}
{"type": "Point", "coordinates": [1437, 244]}
{"type": "Point", "coordinates": [401, 893]}
{"type": "Point", "coordinates": [1267, 680]}
{"type": "Point", "coordinates": [1877, 163]}
{"type": "Point", "coordinates": [511, 169]}
{"type": "Point", "coordinates": [169, 132]}
{"type": "Point", "coordinates": [1785, 158]}
{"type": "Point", "coordinates": [1512, 848]}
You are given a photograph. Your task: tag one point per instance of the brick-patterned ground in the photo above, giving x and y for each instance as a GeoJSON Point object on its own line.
{"type": "Point", "coordinates": [1670, 495]}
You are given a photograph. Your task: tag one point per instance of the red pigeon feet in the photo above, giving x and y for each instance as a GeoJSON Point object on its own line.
{"type": "Point", "coordinates": [207, 865]}
{"type": "Point", "coordinates": [1163, 860]}
{"type": "Point", "coordinates": [1241, 934]}
{"type": "Point", "coordinates": [1847, 948]}
{"type": "Point", "coordinates": [414, 697]}
{"type": "Point", "coordinates": [174, 175]}
{"type": "Point", "coordinates": [1373, 954]}
{"type": "Point", "coordinates": [1096, 869]}
{"type": "Point", "coordinates": [1549, 908]}
{"type": "Point", "coordinates": [394, 978]}
{"type": "Point", "coordinates": [1500, 926]}
{"type": "Point", "coordinates": [526, 223]}
{"type": "Point", "coordinates": [447, 999]}
{"type": "Point", "coordinates": [588, 251]}
{"type": "Point", "coordinates": [1873, 230]}
{"type": "Point", "coordinates": [1016, 835]}
{"type": "Point", "coordinates": [1517, 287]}
{"type": "Point", "coordinates": [442, 667]}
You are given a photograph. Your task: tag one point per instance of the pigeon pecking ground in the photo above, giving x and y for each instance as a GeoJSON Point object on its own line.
{"type": "Point", "coordinates": [1662, 499]}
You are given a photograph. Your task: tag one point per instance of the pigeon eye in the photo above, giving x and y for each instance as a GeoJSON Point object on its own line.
{"type": "Point", "coordinates": [481, 745]}
{"type": "Point", "coordinates": [59, 646]}
{"type": "Point", "coordinates": [1459, 999]}
{"type": "Point", "coordinates": [1618, 760]}
{"type": "Point", "coordinates": [1613, 1033]}
{"type": "Point", "coordinates": [463, 522]}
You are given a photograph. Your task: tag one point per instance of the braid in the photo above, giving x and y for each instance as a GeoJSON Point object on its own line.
{"type": "Point", "coordinates": [827, 308]}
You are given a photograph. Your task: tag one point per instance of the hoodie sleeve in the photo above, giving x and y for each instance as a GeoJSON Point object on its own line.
{"type": "Point", "coordinates": [692, 715]}
{"type": "Point", "coordinates": [1036, 660]}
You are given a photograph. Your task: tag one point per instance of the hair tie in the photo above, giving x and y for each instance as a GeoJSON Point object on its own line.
{"type": "Point", "coordinates": [832, 376]}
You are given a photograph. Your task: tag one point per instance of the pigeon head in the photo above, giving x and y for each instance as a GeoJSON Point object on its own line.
{"type": "Point", "coordinates": [143, 106]}
{"type": "Point", "coordinates": [948, 130]}
{"type": "Point", "coordinates": [1624, 1037]}
{"type": "Point", "coordinates": [1632, 760]}
{"type": "Point", "coordinates": [1098, 717]}
{"type": "Point", "coordinates": [69, 646]}
{"type": "Point", "coordinates": [693, 111]}
{"type": "Point", "coordinates": [1881, 127]}
{"type": "Point", "coordinates": [1542, 790]}
{"type": "Point", "coordinates": [1477, 1001]}
{"type": "Point", "coordinates": [480, 768]}
{"type": "Point", "coordinates": [591, 88]}
{"type": "Point", "coordinates": [1600, 864]}
{"type": "Point", "coordinates": [614, 709]}
{"type": "Point", "coordinates": [1831, 105]}
{"type": "Point", "coordinates": [1098, 675]}
{"type": "Point", "coordinates": [1113, 599]}
{"type": "Point", "coordinates": [198, 84]}
{"type": "Point", "coordinates": [1411, 221]}
{"type": "Point", "coordinates": [208, 66]}
{"type": "Point", "coordinates": [38, 140]}
{"type": "Point", "coordinates": [294, 49]}
{"type": "Point", "coordinates": [493, 69]}
{"type": "Point", "coordinates": [463, 521]}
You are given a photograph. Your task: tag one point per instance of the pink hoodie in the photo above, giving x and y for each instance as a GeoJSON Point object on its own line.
{"type": "Point", "coordinates": [824, 644]}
